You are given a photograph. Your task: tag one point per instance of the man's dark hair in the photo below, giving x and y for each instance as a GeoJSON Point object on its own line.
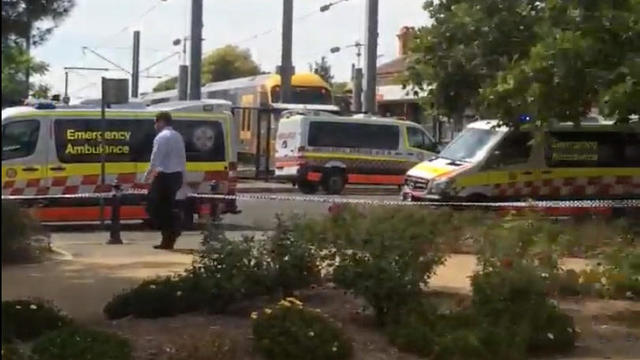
{"type": "Point", "coordinates": [165, 117]}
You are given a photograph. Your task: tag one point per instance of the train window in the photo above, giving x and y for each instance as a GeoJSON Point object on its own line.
{"type": "Point", "coordinates": [304, 95]}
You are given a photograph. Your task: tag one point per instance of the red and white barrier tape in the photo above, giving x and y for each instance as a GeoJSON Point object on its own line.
{"type": "Point", "coordinates": [621, 203]}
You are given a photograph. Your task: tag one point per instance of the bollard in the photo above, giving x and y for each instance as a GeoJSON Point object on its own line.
{"type": "Point", "coordinates": [114, 235]}
{"type": "Point", "coordinates": [214, 208]}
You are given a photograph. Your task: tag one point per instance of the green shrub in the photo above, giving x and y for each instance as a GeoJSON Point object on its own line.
{"type": "Point", "coordinates": [75, 343]}
{"type": "Point", "coordinates": [412, 329]}
{"type": "Point", "coordinates": [27, 319]}
{"type": "Point", "coordinates": [514, 301]}
{"type": "Point", "coordinates": [233, 270]}
{"type": "Point", "coordinates": [18, 227]}
{"type": "Point", "coordinates": [161, 297]}
{"type": "Point", "coordinates": [290, 331]}
{"type": "Point", "coordinates": [295, 263]}
{"type": "Point", "coordinates": [12, 352]}
{"type": "Point", "coordinates": [384, 255]}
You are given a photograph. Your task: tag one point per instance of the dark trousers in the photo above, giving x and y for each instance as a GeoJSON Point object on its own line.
{"type": "Point", "coordinates": [161, 205]}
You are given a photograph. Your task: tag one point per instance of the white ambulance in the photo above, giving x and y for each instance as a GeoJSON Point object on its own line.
{"type": "Point", "coordinates": [492, 162]}
{"type": "Point", "coordinates": [316, 149]}
{"type": "Point", "coordinates": [49, 150]}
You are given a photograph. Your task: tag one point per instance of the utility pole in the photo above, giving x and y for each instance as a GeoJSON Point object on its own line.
{"type": "Point", "coordinates": [286, 66]}
{"type": "Point", "coordinates": [196, 50]}
{"type": "Point", "coordinates": [356, 103]}
{"type": "Point", "coordinates": [135, 68]}
{"type": "Point", "coordinates": [371, 58]}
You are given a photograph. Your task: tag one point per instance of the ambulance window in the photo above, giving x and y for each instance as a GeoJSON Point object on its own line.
{"type": "Point", "coordinates": [353, 135]}
{"type": "Point", "coordinates": [515, 148]}
{"type": "Point", "coordinates": [419, 139]}
{"type": "Point", "coordinates": [592, 149]}
{"type": "Point", "coordinates": [19, 139]}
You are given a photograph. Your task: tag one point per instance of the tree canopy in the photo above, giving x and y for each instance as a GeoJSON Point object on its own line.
{"type": "Point", "coordinates": [322, 69]}
{"type": "Point", "coordinates": [167, 84]}
{"type": "Point", "coordinates": [26, 23]}
{"type": "Point", "coordinates": [228, 62]}
{"type": "Point", "coordinates": [548, 59]}
{"type": "Point", "coordinates": [33, 19]}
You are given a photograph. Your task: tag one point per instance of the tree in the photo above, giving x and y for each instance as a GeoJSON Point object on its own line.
{"type": "Point", "coordinates": [228, 62]}
{"type": "Point", "coordinates": [33, 21]}
{"type": "Point", "coordinates": [552, 59]}
{"type": "Point", "coordinates": [167, 84]}
{"type": "Point", "coordinates": [15, 63]}
{"type": "Point", "coordinates": [323, 69]}
{"type": "Point", "coordinates": [467, 44]}
{"type": "Point", "coordinates": [588, 54]}
{"type": "Point", "coordinates": [26, 23]}
{"type": "Point", "coordinates": [42, 91]}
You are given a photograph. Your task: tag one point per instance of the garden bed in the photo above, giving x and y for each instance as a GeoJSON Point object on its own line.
{"type": "Point", "coordinates": [604, 326]}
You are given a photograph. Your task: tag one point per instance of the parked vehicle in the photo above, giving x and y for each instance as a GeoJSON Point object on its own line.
{"type": "Point", "coordinates": [57, 151]}
{"type": "Point", "coordinates": [563, 161]}
{"type": "Point", "coordinates": [323, 150]}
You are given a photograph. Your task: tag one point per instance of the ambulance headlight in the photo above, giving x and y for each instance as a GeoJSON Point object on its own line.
{"type": "Point", "coordinates": [439, 186]}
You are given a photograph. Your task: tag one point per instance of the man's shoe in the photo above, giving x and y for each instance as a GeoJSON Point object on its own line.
{"type": "Point", "coordinates": [163, 247]}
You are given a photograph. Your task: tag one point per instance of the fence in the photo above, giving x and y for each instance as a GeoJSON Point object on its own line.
{"type": "Point", "coordinates": [615, 208]}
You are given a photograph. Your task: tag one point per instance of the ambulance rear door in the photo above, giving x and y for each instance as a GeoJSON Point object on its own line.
{"type": "Point", "coordinates": [25, 143]}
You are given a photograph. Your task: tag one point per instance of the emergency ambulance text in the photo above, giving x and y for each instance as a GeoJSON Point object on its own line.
{"type": "Point", "coordinates": [97, 135]}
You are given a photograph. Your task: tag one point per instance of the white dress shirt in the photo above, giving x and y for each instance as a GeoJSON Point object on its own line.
{"type": "Point", "coordinates": [168, 155]}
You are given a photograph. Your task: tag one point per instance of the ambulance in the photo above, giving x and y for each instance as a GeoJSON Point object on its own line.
{"type": "Point", "coordinates": [52, 150]}
{"type": "Point", "coordinates": [315, 149]}
{"type": "Point", "coordinates": [488, 161]}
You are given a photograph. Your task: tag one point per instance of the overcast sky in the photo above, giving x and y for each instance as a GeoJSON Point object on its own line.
{"type": "Point", "coordinates": [107, 25]}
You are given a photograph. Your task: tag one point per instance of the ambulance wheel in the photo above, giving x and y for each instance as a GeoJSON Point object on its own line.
{"type": "Point", "coordinates": [307, 187]}
{"type": "Point", "coordinates": [333, 182]}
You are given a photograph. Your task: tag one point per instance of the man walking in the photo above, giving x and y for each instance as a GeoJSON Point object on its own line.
{"type": "Point", "coordinates": [166, 169]}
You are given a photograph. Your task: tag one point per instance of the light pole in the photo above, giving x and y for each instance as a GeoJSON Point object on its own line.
{"type": "Point", "coordinates": [371, 59]}
{"type": "Point", "coordinates": [183, 70]}
{"type": "Point", "coordinates": [356, 76]}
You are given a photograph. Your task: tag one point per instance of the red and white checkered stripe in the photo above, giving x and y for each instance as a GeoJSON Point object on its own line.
{"type": "Point", "coordinates": [197, 182]}
{"type": "Point", "coordinates": [597, 186]}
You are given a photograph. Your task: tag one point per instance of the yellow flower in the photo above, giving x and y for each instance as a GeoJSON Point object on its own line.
{"type": "Point", "coordinates": [254, 315]}
{"type": "Point", "coordinates": [267, 311]}
{"type": "Point", "coordinates": [294, 301]}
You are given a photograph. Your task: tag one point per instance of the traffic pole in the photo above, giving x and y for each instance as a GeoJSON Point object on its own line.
{"type": "Point", "coordinates": [135, 67]}
{"type": "Point", "coordinates": [196, 50]}
{"type": "Point", "coordinates": [286, 64]}
{"type": "Point", "coordinates": [371, 58]}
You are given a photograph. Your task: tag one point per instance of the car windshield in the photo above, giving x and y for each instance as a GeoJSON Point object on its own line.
{"type": "Point", "coordinates": [470, 145]}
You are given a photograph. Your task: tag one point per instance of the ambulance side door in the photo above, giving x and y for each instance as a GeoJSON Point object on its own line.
{"type": "Point", "coordinates": [24, 156]}
{"type": "Point", "coordinates": [509, 165]}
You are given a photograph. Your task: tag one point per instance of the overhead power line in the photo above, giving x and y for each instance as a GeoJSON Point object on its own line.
{"type": "Point", "coordinates": [323, 8]}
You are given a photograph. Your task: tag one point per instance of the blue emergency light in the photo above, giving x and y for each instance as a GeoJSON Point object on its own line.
{"type": "Point", "coordinates": [525, 119]}
{"type": "Point", "coordinates": [45, 106]}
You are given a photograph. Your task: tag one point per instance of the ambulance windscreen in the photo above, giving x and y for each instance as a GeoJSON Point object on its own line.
{"type": "Point", "coordinates": [470, 145]}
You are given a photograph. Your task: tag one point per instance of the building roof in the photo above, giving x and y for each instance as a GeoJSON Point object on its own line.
{"type": "Point", "coordinates": [396, 93]}
{"type": "Point", "coordinates": [392, 67]}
